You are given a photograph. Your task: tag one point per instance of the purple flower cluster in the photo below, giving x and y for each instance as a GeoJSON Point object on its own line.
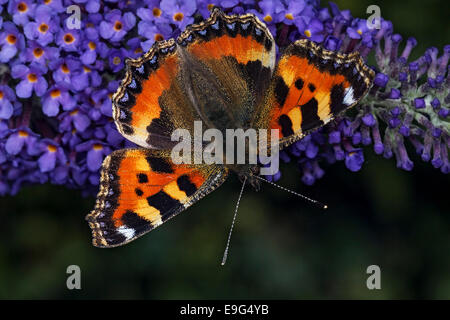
{"type": "Point", "coordinates": [56, 82]}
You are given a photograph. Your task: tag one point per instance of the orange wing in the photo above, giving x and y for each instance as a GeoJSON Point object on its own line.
{"type": "Point", "coordinates": [229, 57]}
{"type": "Point", "coordinates": [141, 189]}
{"type": "Point", "coordinates": [311, 86]}
{"type": "Point", "coordinates": [143, 111]}
{"type": "Point", "coordinates": [237, 48]}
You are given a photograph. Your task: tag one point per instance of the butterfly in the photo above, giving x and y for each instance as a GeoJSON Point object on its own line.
{"type": "Point", "coordinates": [223, 72]}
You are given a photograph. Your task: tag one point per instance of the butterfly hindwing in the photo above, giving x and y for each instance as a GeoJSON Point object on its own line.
{"type": "Point", "coordinates": [236, 49]}
{"type": "Point", "coordinates": [311, 86]}
{"type": "Point", "coordinates": [141, 189]}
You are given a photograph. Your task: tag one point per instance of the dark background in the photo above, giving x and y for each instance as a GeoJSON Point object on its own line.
{"type": "Point", "coordinates": [282, 247]}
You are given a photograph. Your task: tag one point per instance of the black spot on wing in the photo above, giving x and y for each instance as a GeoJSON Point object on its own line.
{"type": "Point", "coordinates": [310, 118]}
{"type": "Point", "coordinates": [299, 83]}
{"type": "Point", "coordinates": [337, 98]}
{"type": "Point", "coordinates": [286, 125]}
{"type": "Point", "coordinates": [142, 178]}
{"type": "Point", "coordinates": [281, 91]}
{"type": "Point", "coordinates": [311, 87]}
{"type": "Point", "coordinates": [163, 202]}
{"type": "Point", "coordinates": [159, 164]}
{"type": "Point", "coordinates": [138, 192]}
{"type": "Point", "coordinates": [132, 220]}
{"type": "Point", "coordinates": [185, 184]}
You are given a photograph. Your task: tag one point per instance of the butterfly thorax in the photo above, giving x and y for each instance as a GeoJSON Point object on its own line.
{"type": "Point", "coordinates": [247, 173]}
{"type": "Point", "coordinates": [220, 103]}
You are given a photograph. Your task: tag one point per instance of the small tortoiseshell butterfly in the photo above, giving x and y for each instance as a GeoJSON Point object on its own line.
{"type": "Point", "coordinates": [223, 72]}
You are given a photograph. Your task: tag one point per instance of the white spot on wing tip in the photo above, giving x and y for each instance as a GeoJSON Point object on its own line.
{"type": "Point", "coordinates": [349, 98]}
{"type": "Point", "coordinates": [126, 232]}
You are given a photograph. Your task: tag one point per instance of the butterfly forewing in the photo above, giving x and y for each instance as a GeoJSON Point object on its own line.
{"type": "Point", "coordinates": [141, 189]}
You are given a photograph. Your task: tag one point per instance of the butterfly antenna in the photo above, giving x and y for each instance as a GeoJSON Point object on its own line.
{"type": "Point", "coordinates": [225, 254]}
{"type": "Point", "coordinates": [317, 203]}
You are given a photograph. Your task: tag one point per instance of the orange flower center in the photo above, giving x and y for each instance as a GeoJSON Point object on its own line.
{"type": "Point", "coordinates": [32, 77]}
{"type": "Point", "coordinates": [116, 60]}
{"type": "Point", "coordinates": [89, 25]}
{"type": "Point", "coordinates": [47, 1]}
{"type": "Point", "coordinates": [22, 7]}
{"type": "Point", "coordinates": [98, 146]}
{"type": "Point", "coordinates": [23, 134]}
{"type": "Point", "coordinates": [68, 38]}
{"type": "Point", "coordinates": [38, 52]}
{"type": "Point", "coordinates": [178, 16]}
{"type": "Point", "coordinates": [159, 37]}
{"type": "Point", "coordinates": [289, 16]}
{"type": "Point", "coordinates": [1, 95]}
{"type": "Point", "coordinates": [268, 18]}
{"type": "Point", "coordinates": [11, 39]}
{"type": "Point", "coordinates": [359, 32]}
{"type": "Point", "coordinates": [55, 93]}
{"type": "Point", "coordinates": [307, 33]}
{"type": "Point", "coordinates": [51, 148]}
{"type": "Point", "coordinates": [210, 6]}
{"type": "Point", "coordinates": [138, 50]}
{"type": "Point", "coordinates": [43, 28]}
{"type": "Point", "coordinates": [86, 69]}
{"type": "Point", "coordinates": [118, 26]}
{"type": "Point", "coordinates": [92, 45]}
{"type": "Point", "coordinates": [157, 12]}
{"type": "Point", "coordinates": [65, 68]}
{"type": "Point", "coordinates": [74, 112]}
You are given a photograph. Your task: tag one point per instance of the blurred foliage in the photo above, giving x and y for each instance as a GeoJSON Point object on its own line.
{"type": "Point", "coordinates": [282, 247]}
